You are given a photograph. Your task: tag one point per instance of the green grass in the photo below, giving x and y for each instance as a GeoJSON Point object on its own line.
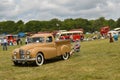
{"type": "Point", "coordinates": [98, 60]}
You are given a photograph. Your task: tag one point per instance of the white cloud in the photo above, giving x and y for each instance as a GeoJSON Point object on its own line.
{"type": "Point", "coordinates": [48, 9]}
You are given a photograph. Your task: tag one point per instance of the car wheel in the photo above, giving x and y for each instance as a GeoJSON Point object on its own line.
{"type": "Point", "coordinates": [65, 56]}
{"type": "Point", "coordinates": [39, 59]}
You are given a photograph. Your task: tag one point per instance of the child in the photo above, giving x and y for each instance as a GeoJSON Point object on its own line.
{"type": "Point", "coordinates": [76, 47]}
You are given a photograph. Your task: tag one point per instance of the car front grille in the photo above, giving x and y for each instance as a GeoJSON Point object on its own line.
{"type": "Point", "coordinates": [22, 54]}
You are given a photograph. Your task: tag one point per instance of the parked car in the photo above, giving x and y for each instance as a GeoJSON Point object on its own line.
{"type": "Point", "coordinates": [41, 47]}
{"type": "Point", "coordinates": [11, 39]}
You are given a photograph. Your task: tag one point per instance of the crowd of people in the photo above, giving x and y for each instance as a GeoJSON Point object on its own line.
{"type": "Point", "coordinates": [5, 43]}
{"type": "Point", "coordinates": [18, 41]}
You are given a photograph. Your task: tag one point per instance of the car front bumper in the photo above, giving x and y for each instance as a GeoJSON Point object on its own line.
{"type": "Point", "coordinates": [24, 60]}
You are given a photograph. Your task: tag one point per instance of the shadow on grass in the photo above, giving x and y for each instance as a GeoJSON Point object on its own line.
{"type": "Point", "coordinates": [49, 61]}
{"type": "Point", "coordinates": [32, 64]}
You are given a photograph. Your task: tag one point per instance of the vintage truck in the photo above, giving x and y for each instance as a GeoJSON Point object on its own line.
{"type": "Point", "coordinates": [41, 47]}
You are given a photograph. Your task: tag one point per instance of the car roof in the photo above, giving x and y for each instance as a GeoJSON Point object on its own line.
{"type": "Point", "coordinates": [42, 35]}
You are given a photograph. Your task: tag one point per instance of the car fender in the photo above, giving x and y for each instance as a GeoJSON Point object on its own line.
{"type": "Point", "coordinates": [64, 49]}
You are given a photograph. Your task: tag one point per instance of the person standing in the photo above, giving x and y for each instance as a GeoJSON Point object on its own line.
{"type": "Point", "coordinates": [4, 44]}
{"type": "Point", "coordinates": [21, 41]}
{"type": "Point", "coordinates": [115, 36]}
{"type": "Point", "coordinates": [76, 47]}
{"type": "Point", "coordinates": [17, 41]}
{"type": "Point", "coordinates": [111, 38]}
{"type": "Point", "coordinates": [27, 40]}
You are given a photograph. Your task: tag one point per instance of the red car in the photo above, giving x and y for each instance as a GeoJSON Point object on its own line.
{"type": "Point", "coordinates": [11, 39]}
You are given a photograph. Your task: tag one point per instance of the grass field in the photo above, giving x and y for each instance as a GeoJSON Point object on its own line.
{"type": "Point", "coordinates": [97, 60]}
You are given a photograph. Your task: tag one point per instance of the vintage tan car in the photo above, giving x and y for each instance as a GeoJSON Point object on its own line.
{"type": "Point", "coordinates": [41, 47]}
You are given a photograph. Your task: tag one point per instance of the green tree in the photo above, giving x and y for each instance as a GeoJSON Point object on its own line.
{"type": "Point", "coordinates": [7, 27]}
{"type": "Point", "coordinates": [19, 26]}
{"type": "Point", "coordinates": [98, 23]}
{"type": "Point", "coordinates": [32, 26]}
{"type": "Point", "coordinates": [112, 23]}
{"type": "Point", "coordinates": [118, 22]}
{"type": "Point", "coordinates": [54, 24]}
{"type": "Point", "coordinates": [68, 24]}
{"type": "Point", "coordinates": [82, 23]}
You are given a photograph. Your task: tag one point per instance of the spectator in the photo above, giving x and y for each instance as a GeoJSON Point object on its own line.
{"type": "Point", "coordinates": [5, 44]}
{"type": "Point", "coordinates": [18, 40]}
{"type": "Point", "coordinates": [82, 38]}
{"type": "Point", "coordinates": [115, 36]}
{"type": "Point", "coordinates": [71, 38]}
{"type": "Point", "coordinates": [62, 37]}
{"type": "Point", "coordinates": [111, 38]}
{"type": "Point", "coordinates": [27, 40]}
{"type": "Point", "coordinates": [76, 47]}
{"type": "Point", "coordinates": [21, 41]}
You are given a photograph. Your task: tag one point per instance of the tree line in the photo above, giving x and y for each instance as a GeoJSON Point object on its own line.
{"type": "Point", "coordinates": [56, 24]}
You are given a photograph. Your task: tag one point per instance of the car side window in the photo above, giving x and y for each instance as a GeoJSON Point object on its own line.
{"type": "Point", "coordinates": [49, 39]}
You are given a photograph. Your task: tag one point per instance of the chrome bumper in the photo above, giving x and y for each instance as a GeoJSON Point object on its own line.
{"type": "Point", "coordinates": [24, 60]}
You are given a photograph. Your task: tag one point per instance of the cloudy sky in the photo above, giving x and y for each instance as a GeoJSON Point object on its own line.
{"type": "Point", "coordinates": [62, 9]}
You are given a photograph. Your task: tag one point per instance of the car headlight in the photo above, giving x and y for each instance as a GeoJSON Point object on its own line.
{"type": "Point", "coordinates": [28, 54]}
{"type": "Point", "coordinates": [14, 55]}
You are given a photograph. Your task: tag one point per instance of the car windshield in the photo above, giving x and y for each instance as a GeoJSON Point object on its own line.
{"type": "Point", "coordinates": [37, 39]}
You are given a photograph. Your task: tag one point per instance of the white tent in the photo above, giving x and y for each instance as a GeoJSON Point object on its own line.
{"type": "Point", "coordinates": [117, 29]}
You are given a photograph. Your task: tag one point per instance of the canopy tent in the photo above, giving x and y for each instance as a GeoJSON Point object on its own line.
{"type": "Point", "coordinates": [21, 34]}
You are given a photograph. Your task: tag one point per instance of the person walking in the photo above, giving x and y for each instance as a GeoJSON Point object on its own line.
{"type": "Point", "coordinates": [4, 44]}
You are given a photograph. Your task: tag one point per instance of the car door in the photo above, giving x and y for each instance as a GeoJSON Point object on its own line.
{"type": "Point", "coordinates": [50, 47]}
